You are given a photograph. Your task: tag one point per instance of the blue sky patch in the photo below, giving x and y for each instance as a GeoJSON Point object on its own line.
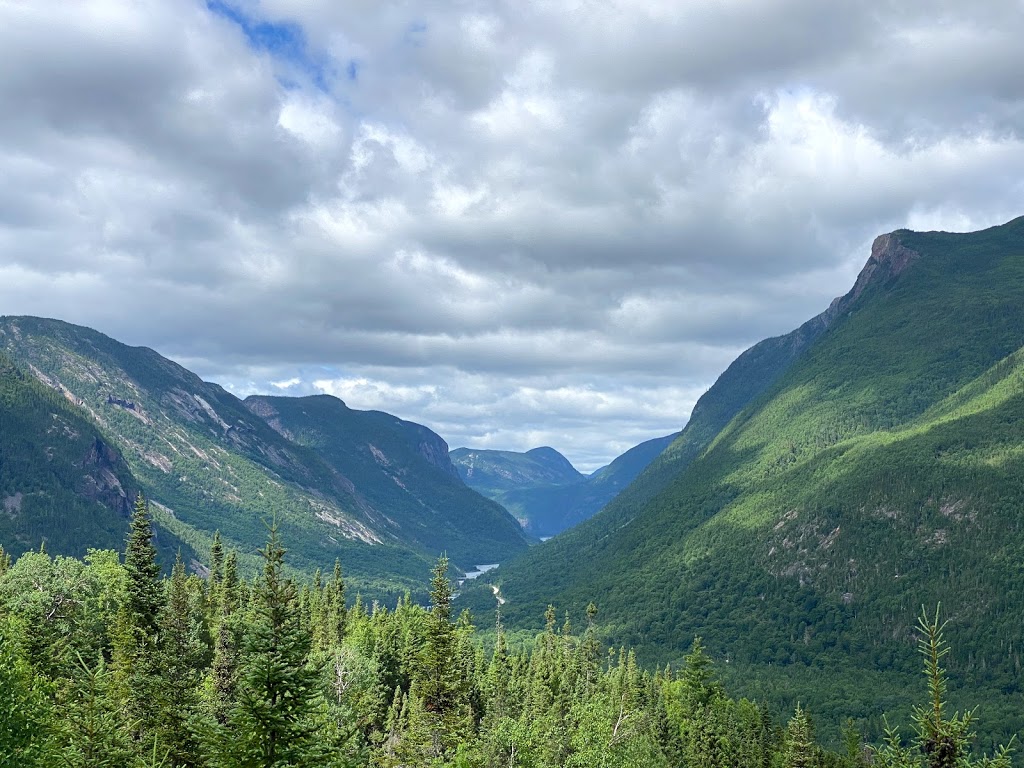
{"type": "Point", "coordinates": [282, 40]}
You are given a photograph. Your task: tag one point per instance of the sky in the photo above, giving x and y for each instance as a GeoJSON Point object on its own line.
{"type": "Point", "coordinates": [519, 222]}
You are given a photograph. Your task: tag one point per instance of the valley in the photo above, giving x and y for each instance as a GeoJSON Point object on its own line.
{"type": "Point", "coordinates": [831, 482]}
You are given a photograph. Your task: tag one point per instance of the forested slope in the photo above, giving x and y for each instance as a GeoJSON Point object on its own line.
{"type": "Point", "coordinates": [882, 469]}
{"type": "Point", "coordinates": [61, 484]}
{"type": "Point", "coordinates": [105, 664]}
{"type": "Point", "coordinates": [403, 472]}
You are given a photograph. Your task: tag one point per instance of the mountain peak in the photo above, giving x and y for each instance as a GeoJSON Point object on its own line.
{"type": "Point", "coordinates": [550, 456]}
{"type": "Point", "coordinates": [889, 259]}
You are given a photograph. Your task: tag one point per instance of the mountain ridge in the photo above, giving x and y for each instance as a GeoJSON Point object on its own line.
{"type": "Point", "coordinates": [208, 462]}
{"type": "Point", "coordinates": [831, 481]}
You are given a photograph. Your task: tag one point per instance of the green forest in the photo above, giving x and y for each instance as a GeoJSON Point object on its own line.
{"type": "Point", "coordinates": [104, 661]}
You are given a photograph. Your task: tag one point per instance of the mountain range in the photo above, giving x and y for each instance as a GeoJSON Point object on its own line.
{"type": "Point", "coordinates": [92, 421]}
{"type": "Point", "coordinates": [831, 482]}
{"type": "Point", "coordinates": [542, 488]}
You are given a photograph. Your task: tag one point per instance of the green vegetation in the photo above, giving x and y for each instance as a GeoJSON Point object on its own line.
{"type": "Point", "coordinates": [880, 467]}
{"type": "Point", "coordinates": [104, 664]}
{"type": "Point", "coordinates": [60, 482]}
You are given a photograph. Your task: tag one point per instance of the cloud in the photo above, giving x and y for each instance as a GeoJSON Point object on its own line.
{"type": "Point", "coordinates": [517, 223]}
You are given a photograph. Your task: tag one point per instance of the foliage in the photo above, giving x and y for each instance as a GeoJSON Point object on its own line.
{"type": "Point", "coordinates": [267, 674]}
{"type": "Point", "coordinates": [827, 484]}
{"type": "Point", "coordinates": [112, 419]}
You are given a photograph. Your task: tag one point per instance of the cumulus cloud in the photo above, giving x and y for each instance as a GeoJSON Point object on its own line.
{"type": "Point", "coordinates": [517, 222]}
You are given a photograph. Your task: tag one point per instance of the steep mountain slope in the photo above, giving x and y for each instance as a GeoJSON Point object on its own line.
{"type": "Point", "coordinates": [207, 462]}
{"type": "Point", "coordinates": [59, 479]}
{"type": "Point", "coordinates": [880, 469]}
{"type": "Point", "coordinates": [423, 498]}
{"type": "Point", "coordinates": [546, 508]}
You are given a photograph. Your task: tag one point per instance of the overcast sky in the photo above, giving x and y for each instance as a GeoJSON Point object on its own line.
{"type": "Point", "coordinates": [519, 223]}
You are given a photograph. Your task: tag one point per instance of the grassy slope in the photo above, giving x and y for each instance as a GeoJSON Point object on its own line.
{"type": "Point", "coordinates": [881, 470]}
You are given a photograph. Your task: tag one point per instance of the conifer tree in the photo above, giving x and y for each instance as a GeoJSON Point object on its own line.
{"type": "Point", "coordinates": [180, 653]}
{"type": "Point", "coordinates": [145, 592]}
{"type": "Point", "coordinates": [274, 722]}
{"type": "Point", "coordinates": [135, 632]}
{"type": "Point", "coordinates": [799, 747]}
{"type": "Point", "coordinates": [440, 688]}
{"type": "Point", "coordinates": [24, 718]}
{"type": "Point", "coordinates": [438, 685]}
{"type": "Point", "coordinates": [214, 584]}
{"type": "Point", "coordinates": [334, 615]}
{"type": "Point", "coordinates": [94, 733]}
{"type": "Point", "coordinates": [943, 741]}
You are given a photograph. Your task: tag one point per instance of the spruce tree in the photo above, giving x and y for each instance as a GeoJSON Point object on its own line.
{"type": "Point", "coordinates": [440, 703]}
{"type": "Point", "coordinates": [24, 715]}
{"type": "Point", "coordinates": [180, 656]}
{"type": "Point", "coordinates": [145, 592]}
{"type": "Point", "coordinates": [439, 683]}
{"type": "Point", "coordinates": [134, 635]}
{"type": "Point", "coordinates": [799, 746]}
{"type": "Point", "coordinates": [214, 584]}
{"type": "Point", "coordinates": [94, 732]}
{"type": "Point", "coordinates": [275, 720]}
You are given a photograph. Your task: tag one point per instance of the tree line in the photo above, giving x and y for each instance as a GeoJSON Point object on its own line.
{"type": "Point", "coordinates": [104, 662]}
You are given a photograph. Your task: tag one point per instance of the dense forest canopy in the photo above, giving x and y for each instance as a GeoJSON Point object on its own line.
{"type": "Point", "coordinates": [106, 663]}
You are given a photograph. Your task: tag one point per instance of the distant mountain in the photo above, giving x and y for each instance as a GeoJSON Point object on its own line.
{"type": "Point", "coordinates": [543, 490]}
{"type": "Point", "coordinates": [208, 462]}
{"type": "Point", "coordinates": [497, 471]}
{"type": "Point", "coordinates": [830, 483]}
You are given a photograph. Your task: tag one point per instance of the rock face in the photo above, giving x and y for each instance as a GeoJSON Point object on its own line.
{"type": "Point", "coordinates": [888, 260]}
{"type": "Point", "coordinates": [100, 482]}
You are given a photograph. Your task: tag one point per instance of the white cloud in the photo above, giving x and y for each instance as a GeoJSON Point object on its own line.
{"type": "Point", "coordinates": [516, 222]}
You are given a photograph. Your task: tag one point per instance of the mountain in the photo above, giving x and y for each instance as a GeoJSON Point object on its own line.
{"type": "Point", "coordinates": [208, 462]}
{"type": "Point", "coordinates": [60, 482]}
{"type": "Point", "coordinates": [423, 496]}
{"type": "Point", "coordinates": [831, 482]}
{"type": "Point", "coordinates": [543, 490]}
{"type": "Point", "coordinates": [498, 471]}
